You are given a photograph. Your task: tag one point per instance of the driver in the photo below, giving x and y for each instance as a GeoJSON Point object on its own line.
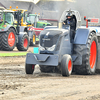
{"type": "Point", "coordinates": [70, 20]}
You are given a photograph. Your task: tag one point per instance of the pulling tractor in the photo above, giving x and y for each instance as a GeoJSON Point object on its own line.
{"type": "Point", "coordinates": [57, 50]}
{"type": "Point", "coordinates": [10, 34]}
{"type": "Point", "coordinates": [24, 26]}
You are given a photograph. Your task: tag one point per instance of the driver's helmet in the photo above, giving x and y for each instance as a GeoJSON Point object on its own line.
{"type": "Point", "coordinates": [69, 16]}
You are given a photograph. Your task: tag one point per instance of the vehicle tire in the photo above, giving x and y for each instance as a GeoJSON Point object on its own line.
{"type": "Point", "coordinates": [66, 65]}
{"type": "Point", "coordinates": [47, 69]}
{"type": "Point", "coordinates": [23, 44]}
{"type": "Point", "coordinates": [29, 69]}
{"type": "Point", "coordinates": [8, 40]}
{"type": "Point", "coordinates": [33, 40]}
{"type": "Point", "coordinates": [89, 53]}
{"type": "Point", "coordinates": [1, 41]}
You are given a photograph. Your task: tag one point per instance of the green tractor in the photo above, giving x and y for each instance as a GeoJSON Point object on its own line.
{"type": "Point", "coordinates": [10, 35]}
{"type": "Point", "coordinates": [34, 20]}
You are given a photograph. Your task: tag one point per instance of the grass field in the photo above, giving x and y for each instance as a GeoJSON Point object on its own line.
{"type": "Point", "coordinates": [13, 54]}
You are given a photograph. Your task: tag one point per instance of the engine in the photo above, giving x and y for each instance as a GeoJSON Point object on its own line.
{"type": "Point", "coordinates": [49, 39]}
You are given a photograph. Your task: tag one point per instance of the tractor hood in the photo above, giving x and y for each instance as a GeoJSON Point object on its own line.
{"type": "Point", "coordinates": [49, 37]}
{"type": "Point", "coordinates": [51, 32]}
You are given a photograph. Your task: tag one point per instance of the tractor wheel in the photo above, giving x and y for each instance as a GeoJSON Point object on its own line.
{"type": "Point", "coordinates": [29, 69]}
{"type": "Point", "coordinates": [1, 41]}
{"type": "Point", "coordinates": [33, 40]}
{"type": "Point", "coordinates": [23, 44]}
{"type": "Point", "coordinates": [89, 53]}
{"type": "Point", "coordinates": [66, 65]}
{"type": "Point", "coordinates": [9, 40]}
{"type": "Point", "coordinates": [47, 69]}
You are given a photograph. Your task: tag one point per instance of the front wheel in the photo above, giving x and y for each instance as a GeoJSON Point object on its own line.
{"type": "Point", "coordinates": [29, 69]}
{"type": "Point", "coordinates": [66, 65]}
{"type": "Point", "coordinates": [23, 42]}
{"type": "Point", "coordinates": [8, 40]}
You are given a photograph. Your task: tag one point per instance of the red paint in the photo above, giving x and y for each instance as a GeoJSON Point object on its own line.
{"type": "Point", "coordinates": [94, 20]}
{"type": "Point", "coordinates": [93, 54]}
{"type": "Point", "coordinates": [91, 20]}
{"type": "Point", "coordinates": [69, 65]}
{"type": "Point", "coordinates": [32, 66]}
{"type": "Point", "coordinates": [25, 42]}
{"type": "Point", "coordinates": [37, 30]}
{"type": "Point", "coordinates": [86, 23]}
{"type": "Point", "coordinates": [11, 39]}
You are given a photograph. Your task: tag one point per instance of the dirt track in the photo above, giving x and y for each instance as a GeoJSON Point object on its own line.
{"type": "Point", "coordinates": [16, 85]}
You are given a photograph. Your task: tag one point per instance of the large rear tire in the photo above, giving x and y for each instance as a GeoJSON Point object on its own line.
{"type": "Point", "coordinates": [89, 53]}
{"type": "Point", "coordinates": [23, 44]}
{"type": "Point", "coordinates": [66, 65]}
{"type": "Point", "coordinates": [29, 69]}
{"type": "Point", "coordinates": [8, 41]}
{"type": "Point", "coordinates": [1, 41]}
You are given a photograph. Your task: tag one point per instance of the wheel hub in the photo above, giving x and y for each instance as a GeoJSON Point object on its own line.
{"type": "Point", "coordinates": [25, 42]}
{"type": "Point", "coordinates": [11, 39]}
{"type": "Point", "coordinates": [69, 65]}
{"type": "Point", "coordinates": [34, 39]}
{"type": "Point", "coordinates": [93, 53]}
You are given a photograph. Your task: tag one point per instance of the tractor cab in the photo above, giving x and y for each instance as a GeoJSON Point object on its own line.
{"type": "Point", "coordinates": [76, 16]}
{"type": "Point", "coordinates": [71, 20]}
{"type": "Point", "coordinates": [33, 19]}
{"type": "Point", "coordinates": [6, 18]}
{"type": "Point", "coordinates": [22, 16]}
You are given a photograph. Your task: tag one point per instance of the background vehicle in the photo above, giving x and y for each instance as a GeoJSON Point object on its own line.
{"type": "Point", "coordinates": [24, 26]}
{"type": "Point", "coordinates": [10, 35]}
{"type": "Point", "coordinates": [33, 19]}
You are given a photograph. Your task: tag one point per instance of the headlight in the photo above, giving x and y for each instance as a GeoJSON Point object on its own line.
{"type": "Point", "coordinates": [41, 48]}
{"type": "Point", "coordinates": [51, 48]}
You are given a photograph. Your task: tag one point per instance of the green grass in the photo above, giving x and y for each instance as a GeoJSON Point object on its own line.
{"type": "Point", "coordinates": [13, 54]}
{"type": "Point", "coordinates": [37, 39]}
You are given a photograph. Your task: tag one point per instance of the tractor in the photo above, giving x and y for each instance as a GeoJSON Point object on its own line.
{"type": "Point", "coordinates": [10, 34]}
{"type": "Point", "coordinates": [38, 25]}
{"type": "Point", "coordinates": [24, 26]}
{"type": "Point", "coordinates": [34, 20]}
{"type": "Point", "coordinates": [58, 50]}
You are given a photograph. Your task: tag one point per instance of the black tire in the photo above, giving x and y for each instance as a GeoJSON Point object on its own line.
{"type": "Point", "coordinates": [66, 65]}
{"type": "Point", "coordinates": [47, 69]}
{"type": "Point", "coordinates": [1, 41]}
{"type": "Point", "coordinates": [21, 45]}
{"type": "Point", "coordinates": [33, 40]}
{"type": "Point", "coordinates": [84, 51]}
{"type": "Point", "coordinates": [29, 69]}
{"type": "Point", "coordinates": [6, 43]}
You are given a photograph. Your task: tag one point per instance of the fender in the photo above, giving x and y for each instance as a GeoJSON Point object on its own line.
{"type": "Point", "coordinates": [7, 28]}
{"type": "Point", "coordinates": [22, 28]}
{"type": "Point", "coordinates": [20, 36]}
{"type": "Point", "coordinates": [82, 34]}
